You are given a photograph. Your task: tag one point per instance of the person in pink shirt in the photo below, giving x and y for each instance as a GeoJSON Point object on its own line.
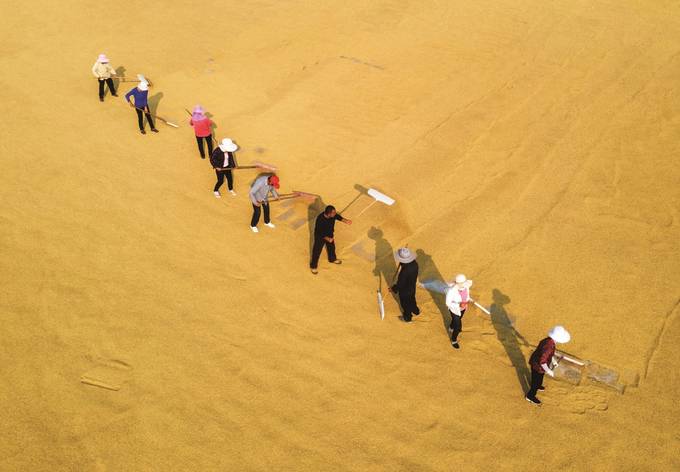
{"type": "Point", "coordinates": [202, 128]}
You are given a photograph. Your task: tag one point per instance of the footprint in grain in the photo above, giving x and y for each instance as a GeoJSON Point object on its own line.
{"type": "Point", "coordinates": [579, 400]}
{"type": "Point", "coordinates": [109, 374]}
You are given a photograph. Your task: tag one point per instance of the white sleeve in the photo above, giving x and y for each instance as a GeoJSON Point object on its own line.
{"type": "Point", "coordinates": [451, 303]}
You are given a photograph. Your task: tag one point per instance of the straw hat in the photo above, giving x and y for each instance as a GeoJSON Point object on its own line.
{"type": "Point", "coordinates": [559, 334]}
{"type": "Point", "coordinates": [102, 58]}
{"type": "Point", "coordinates": [227, 145]}
{"type": "Point", "coordinates": [404, 255]}
{"type": "Point", "coordinates": [143, 86]}
{"type": "Point", "coordinates": [461, 282]}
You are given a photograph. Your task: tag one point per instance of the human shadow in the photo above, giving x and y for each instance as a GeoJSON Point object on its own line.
{"type": "Point", "coordinates": [153, 101]}
{"type": "Point", "coordinates": [509, 337]}
{"type": "Point", "coordinates": [213, 127]}
{"type": "Point", "coordinates": [120, 74]}
{"type": "Point", "coordinates": [427, 273]}
{"type": "Point", "coordinates": [313, 210]}
{"type": "Point", "coordinates": [385, 265]}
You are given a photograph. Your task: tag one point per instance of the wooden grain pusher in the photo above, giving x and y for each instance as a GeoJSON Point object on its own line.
{"type": "Point", "coordinates": [377, 197]}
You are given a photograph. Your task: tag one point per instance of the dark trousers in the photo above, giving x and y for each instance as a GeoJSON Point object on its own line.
{"type": "Point", "coordinates": [408, 305]}
{"type": "Point", "coordinates": [319, 243]}
{"type": "Point", "coordinates": [536, 382]}
{"type": "Point", "coordinates": [208, 140]}
{"type": "Point", "coordinates": [108, 82]}
{"type": "Point", "coordinates": [140, 117]}
{"type": "Point", "coordinates": [256, 213]}
{"type": "Point", "coordinates": [456, 325]}
{"type": "Point", "coordinates": [230, 183]}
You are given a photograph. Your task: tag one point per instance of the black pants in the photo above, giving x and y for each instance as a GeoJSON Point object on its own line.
{"type": "Point", "coordinates": [140, 117]}
{"type": "Point", "coordinates": [456, 325]}
{"type": "Point", "coordinates": [408, 305]}
{"type": "Point", "coordinates": [316, 252]}
{"type": "Point", "coordinates": [536, 382]}
{"type": "Point", "coordinates": [208, 140]}
{"type": "Point", "coordinates": [256, 213]}
{"type": "Point", "coordinates": [230, 183]}
{"type": "Point", "coordinates": [108, 82]}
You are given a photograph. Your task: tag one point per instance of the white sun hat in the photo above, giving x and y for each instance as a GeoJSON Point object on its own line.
{"type": "Point", "coordinates": [143, 86]}
{"type": "Point", "coordinates": [227, 145]}
{"type": "Point", "coordinates": [559, 334]}
{"type": "Point", "coordinates": [404, 255]}
{"type": "Point", "coordinates": [461, 282]}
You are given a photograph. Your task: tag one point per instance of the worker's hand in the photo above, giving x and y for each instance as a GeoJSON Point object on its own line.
{"type": "Point", "coordinates": [330, 240]}
{"type": "Point", "coordinates": [347, 221]}
{"type": "Point", "coordinates": [258, 204]}
{"type": "Point", "coordinates": [550, 372]}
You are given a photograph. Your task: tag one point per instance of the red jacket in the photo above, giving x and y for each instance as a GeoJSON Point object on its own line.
{"type": "Point", "coordinates": [542, 355]}
{"type": "Point", "coordinates": [201, 127]}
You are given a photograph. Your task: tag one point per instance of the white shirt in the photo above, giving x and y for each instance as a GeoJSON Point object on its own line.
{"type": "Point", "coordinates": [454, 299]}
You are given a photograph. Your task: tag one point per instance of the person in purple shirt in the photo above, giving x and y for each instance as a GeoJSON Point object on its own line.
{"type": "Point", "coordinates": [140, 96]}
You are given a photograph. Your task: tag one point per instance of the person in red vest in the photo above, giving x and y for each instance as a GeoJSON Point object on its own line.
{"type": "Point", "coordinates": [542, 361]}
{"type": "Point", "coordinates": [202, 124]}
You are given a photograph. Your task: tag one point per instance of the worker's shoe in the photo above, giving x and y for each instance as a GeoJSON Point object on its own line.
{"type": "Point", "coordinates": [101, 99]}
{"type": "Point", "coordinates": [455, 344]}
{"type": "Point", "coordinates": [416, 311]}
{"type": "Point", "coordinates": [314, 271]}
{"type": "Point", "coordinates": [254, 229]}
{"type": "Point", "coordinates": [154, 130]}
{"type": "Point", "coordinates": [233, 194]}
{"type": "Point", "coordinates": [404, 319]}
{"type": "Point", "coordinates": [337, 261]}
{"type": "Point", "coordinates": [533, 400]}
{"type": "Point", "coordinates": [142, 131]}
{"type": "Point", "coordinates": [270, 225]}
{"type": "Point", "coordinates": [541, 388]}
{"type": "Point", "coordinates": [217, 194]}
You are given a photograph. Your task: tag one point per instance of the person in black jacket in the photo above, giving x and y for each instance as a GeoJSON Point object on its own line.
{"type": "Point", "coordinates": [323, 236]}
{"type": "Point", "coordinates": [222, 160]}
{"type": "Point", "coordinates": [406, 283]}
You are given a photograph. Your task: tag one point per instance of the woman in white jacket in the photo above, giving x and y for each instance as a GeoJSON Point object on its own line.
{"type": "Point", "coordinates": [103, 70]}
{"type": "Point", "coordinates": [457, 299]}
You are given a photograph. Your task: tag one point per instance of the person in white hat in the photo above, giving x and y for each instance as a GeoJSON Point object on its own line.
{"type": "Point", "coordinates": [103, 70]}
{"type": "Point", "coordinates": [406, 283]}
{"type": "Point", "coordinates": [542, 361]}
{"type": "Point", "coordinates": [457, 299]}
{"type": "Point", "coordinates": [140, 96]}
{"type": "Point", "coordinates": [222, 160]}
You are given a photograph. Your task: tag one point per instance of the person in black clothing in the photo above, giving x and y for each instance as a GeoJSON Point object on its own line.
{"type": "Point", "coordinates": [323, 235]}
{"type": "Point", "coordinates": [222, 160]}
{"type": "Point", "coordinates": [406, 283]}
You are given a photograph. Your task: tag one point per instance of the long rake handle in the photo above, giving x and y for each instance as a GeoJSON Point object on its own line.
{"type": "Point", "coordinates": [156, 116]}
{"type": "Point", "coordinates": [367, 207]}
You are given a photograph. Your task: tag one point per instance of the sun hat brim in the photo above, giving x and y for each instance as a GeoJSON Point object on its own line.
{"type": "Point", "coordinates": [404, 260]}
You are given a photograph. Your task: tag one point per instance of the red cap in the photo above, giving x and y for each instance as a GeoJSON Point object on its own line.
{"type": "Point", "coordinates": [274, 180]}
